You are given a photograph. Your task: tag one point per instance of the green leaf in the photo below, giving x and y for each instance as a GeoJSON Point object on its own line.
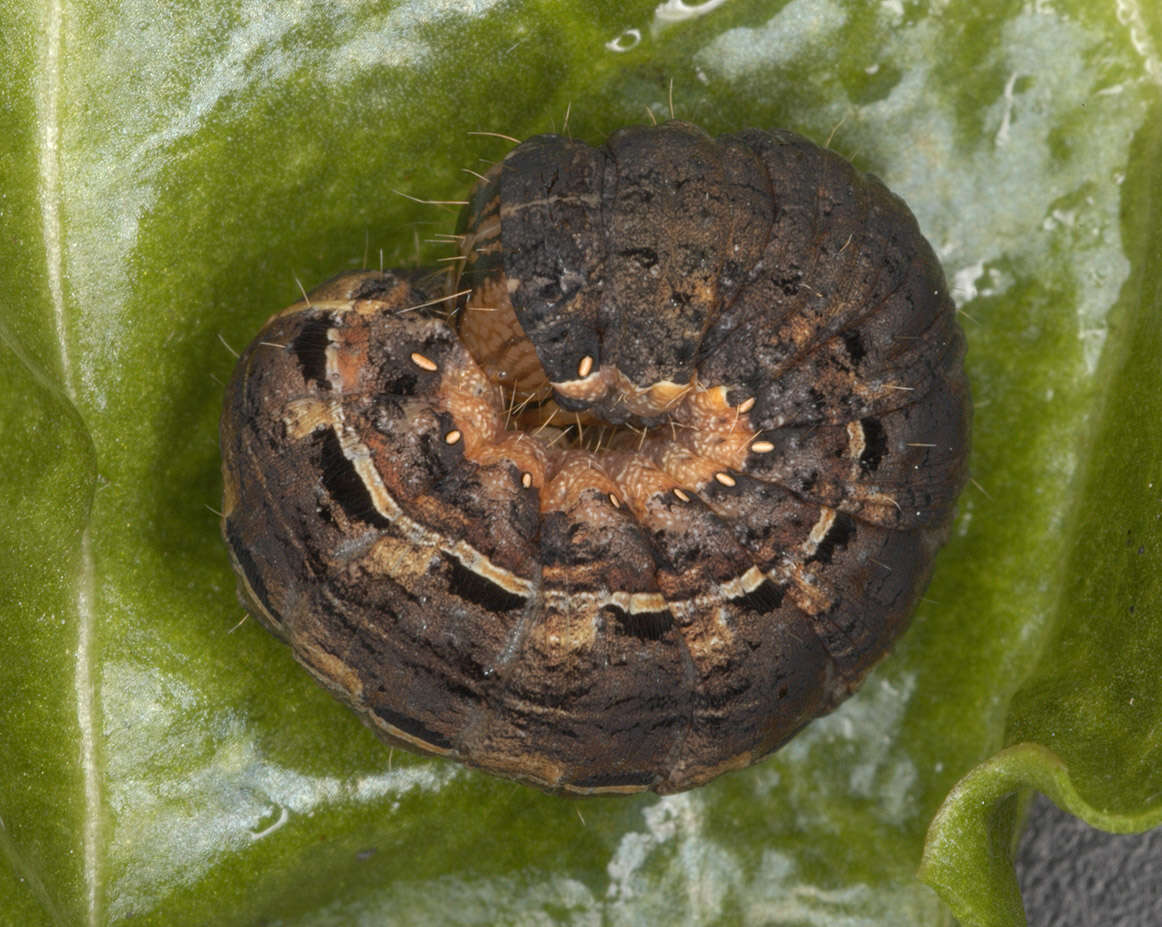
{"type": "Point", "coordinates": [1086, 722]}
{"type": "Point", "coordinates": [168, 175]}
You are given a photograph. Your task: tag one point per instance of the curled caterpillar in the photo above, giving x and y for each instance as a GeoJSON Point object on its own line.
{"type": "Point", "coordinates": [660, 487]}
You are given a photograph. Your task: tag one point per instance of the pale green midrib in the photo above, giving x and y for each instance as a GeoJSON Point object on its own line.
{"type": "Point", "coordinates": [48, 97]}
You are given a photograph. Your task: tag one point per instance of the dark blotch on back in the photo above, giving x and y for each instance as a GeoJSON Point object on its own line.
{"type": "Point", "coordinates": [344, 484]}
{"type": "Point", "coordinates": [472, 587]}
{"type": "Point", "coordinates": [840, 535]}
{"type": "Point", "coordinates": [646, 626]}
{"type": "Point", "coordinates": [398, 381]}
{"type": "Point", "coordinates": [645, 257]}
{"type": "Point", "coordinates": [853, 343]}
{"type": "Point", "coordinates": [616, 780]}
{"type": "Point", "coordinates": [413, 727]}
{"type": "Point", "coordinates": [310, 347]}
{"type": "Point", "coordinates": [764, 598]}
{"type": "Point", "coordinates": [875, 445]}
{"type": "Point", "coordinates": [247, 565]}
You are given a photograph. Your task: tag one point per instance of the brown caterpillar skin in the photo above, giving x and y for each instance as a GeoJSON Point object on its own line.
{"type": "Point", "coordinates": [661, 490]}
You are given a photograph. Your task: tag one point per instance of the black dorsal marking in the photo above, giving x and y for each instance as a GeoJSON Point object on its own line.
{"type": "Point", "coordinates": [616, 780]}
{"type": "Point", "coordinates": [765, 597]}
{"type": "Point", "coordinates": [310, 347]}
{"type": "Point", "coordinates": [645, 626]}
{"type": "Point", "coordinates": [853, 343]}
{"type": "Point", "coordinates": [248, 567]}
{"type": "Point", "coordinates": [344, 484]}
{"type": "Point", "coordinates": [875, 444]}
{"type": "Point", "coordinates": [413, 728]}
{"type": "Point", "coordinates": [839, 535]}
{"type": "Point", "coordinates": [470, 586]}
